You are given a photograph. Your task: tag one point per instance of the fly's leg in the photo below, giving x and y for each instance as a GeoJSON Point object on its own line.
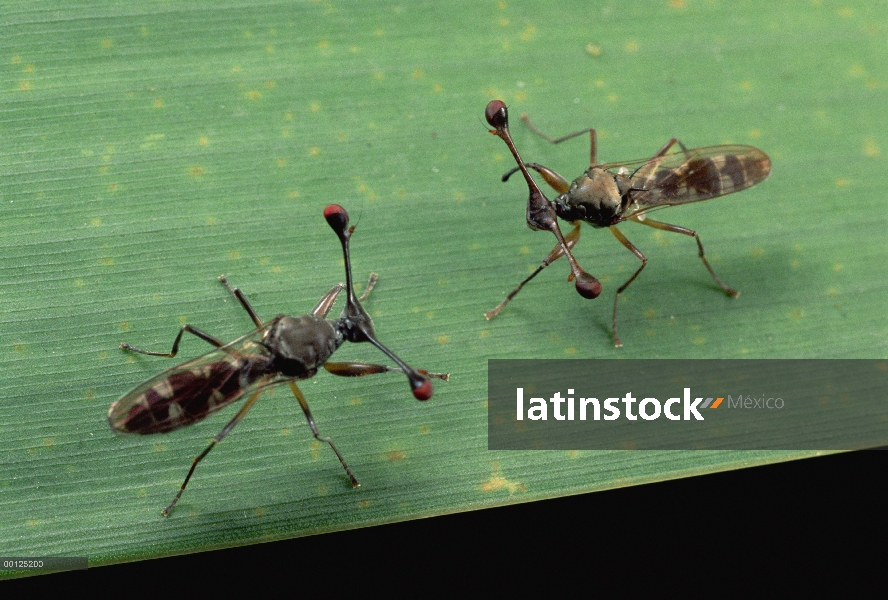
{"type": "Point", "coordinates": [691, 233]}
{"type": "Point", "coordinates": [219, 437]}
{"type": "Point", "coordinates": [243, 300]}
{"type": "Point", "coordinates": [593, 143]}
{"type": "Point", "coordinates": [326, 303]}
{"type": "Point", "coordinates": [314, 430]}
{"type": "Point", "coordinates": [629, 246]}
{"type": "Point", "coordinates": [662, 151]}
{"type": "Point", "coordinates": [558, 183]}
{"type": "Point", "coordinates": [570, 241]}
{"type": "Point", "coordinates": [359, 369]}
{"type": "Point", "coordinates": [192, 330]}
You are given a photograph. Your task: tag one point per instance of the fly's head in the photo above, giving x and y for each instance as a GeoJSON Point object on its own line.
{"type": "Point", "coordinates": [355, 324]}
{"type": "Point", "coordinates": [595, 197]}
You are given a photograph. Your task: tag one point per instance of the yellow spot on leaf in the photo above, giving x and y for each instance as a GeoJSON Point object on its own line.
{"type": "Point", "coordinates": [24, 86]}
{"type": "Point", "coordinates": [857, 70]}
{"type": "Point", "coordinates": [314, 151]}
{"type": "Point", "coordinates": [871, 149]}
{"type": "Point", "coordinates": [203, 141]}
{"type": "Point", "coordinates": [841, 182]}
{"type": "Point", "coordinates": [443, 339]}
{"type": "Point", "coordinates": [158, 103]}
{"type": "Point", "coordinates": [497, 482]}
{"type": "Point", "coordinates": [593, 49]}
{"type": "Point", "coordinates": [106, 43]}
{"type": "Point", "coordinates": [528, 33]}
{"type": "Point", "coordinates": [234, 255]}
{"type": "Point", "coordinates": [395, 455]}
{"type": "Point", "coordinates": [254, 94]}
{"type": "Point", "coordinates": [631, 46]}
{"type": "Point", "coordinates": [95, 222]}
{"type": "Point", "coordinates": [196, 171]}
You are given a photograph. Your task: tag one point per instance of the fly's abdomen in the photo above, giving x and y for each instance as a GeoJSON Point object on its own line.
{"type": "Point", "coordinates": [186, 395]}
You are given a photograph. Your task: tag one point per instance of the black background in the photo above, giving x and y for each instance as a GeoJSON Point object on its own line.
{"type": "Point", "coordinates": [740, 524]}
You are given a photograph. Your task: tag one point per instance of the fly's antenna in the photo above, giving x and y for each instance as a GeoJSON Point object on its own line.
{"type": "Point", "coordinates": [360, 326]}
{"type": "Point", "coordinates": [540, 213]}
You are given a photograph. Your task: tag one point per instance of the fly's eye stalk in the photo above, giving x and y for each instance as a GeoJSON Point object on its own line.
{"type": "Point", "coordinates": [422, 387]}
{"type": "Point", "coordinates": [337, 219]}
{"type": "Point", "coordinates": [587, 286]}
{"type": "Point", "coordinates": [497, 114]}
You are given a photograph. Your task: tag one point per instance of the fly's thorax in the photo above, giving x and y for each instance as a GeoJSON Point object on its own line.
{"type": "Point", "coordinates": [301, 345]}
{"type": "Point", "coordinates": [594, 197]}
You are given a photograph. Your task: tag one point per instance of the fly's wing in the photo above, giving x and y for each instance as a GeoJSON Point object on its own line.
{"type": "Point", "coordinates": [692, 175]}
{"type": "Point", "coordinates": [189, 392]}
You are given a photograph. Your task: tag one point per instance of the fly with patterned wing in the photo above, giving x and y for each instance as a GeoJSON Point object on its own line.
{"type": "Point", "coordinates": [283, 350]}
{"type": "Point", "coordinates": [608, 194]}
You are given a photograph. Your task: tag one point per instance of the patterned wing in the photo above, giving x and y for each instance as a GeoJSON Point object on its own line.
{"type": "Point", "coordinates": [189, 392]}
{"type": "Point", "coordinates": [693, 175]}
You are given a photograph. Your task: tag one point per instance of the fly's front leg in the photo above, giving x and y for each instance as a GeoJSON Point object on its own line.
{"type": "Point", "coordinates": [557, 252]}
{"type": "Point", "coordinates": [303, 403]}
{"type": "Point", "coordinates": [558, 183]}
{"type": "Point", "coordinates": [359, 369]}
{"type": "Point", "coordinates": [690, 232]}
{"type": "Point", "coordinates": [629, 246]}
{"type": "Point", "coordinates": [192, 330]}
{"type": "Point", "coordinates": [326, 303]}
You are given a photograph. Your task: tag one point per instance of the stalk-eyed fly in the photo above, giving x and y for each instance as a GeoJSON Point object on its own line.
{"type": "Point", "coordinates": [283, 350]}
{"type": "Point", "coordinates": [608, 194]}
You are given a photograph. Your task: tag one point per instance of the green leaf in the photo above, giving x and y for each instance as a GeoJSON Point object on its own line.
{"type": "Point", "coordinates": [148, 148]}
